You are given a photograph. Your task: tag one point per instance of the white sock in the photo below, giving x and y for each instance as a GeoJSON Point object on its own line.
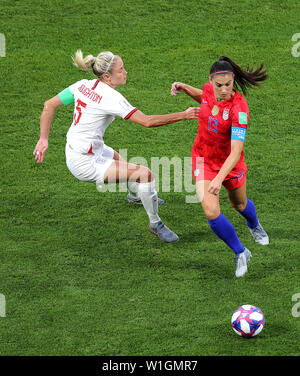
{"type": "Point", "coordinates": [133, 189]}
{"type": "Point", "coordinates": [149, 199]}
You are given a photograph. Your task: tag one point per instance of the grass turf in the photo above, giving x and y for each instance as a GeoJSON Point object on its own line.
{"type": "Point", "coordinates": [80, 272]}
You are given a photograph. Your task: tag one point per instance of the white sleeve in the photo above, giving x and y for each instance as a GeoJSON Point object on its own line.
{"type": "Point", "coordinates": [75, 86]}
{"type": "Point", "coordinates": [117, 105]}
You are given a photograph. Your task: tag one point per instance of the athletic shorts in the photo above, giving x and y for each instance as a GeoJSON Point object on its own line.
{"type": "Point", "coordinates": [89, 167]}
{"type": "Point", "coordinates": [202, 171]}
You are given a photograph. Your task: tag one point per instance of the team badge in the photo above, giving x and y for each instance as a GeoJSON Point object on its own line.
{"type": "Point", "coordinates": [225, 114]}
{"type": "Point", "coordinates": [196, 172]}
{"type": "Point", "coordinates": [243, 118]}
{"type": "Point", "coordinates": [215, 110]}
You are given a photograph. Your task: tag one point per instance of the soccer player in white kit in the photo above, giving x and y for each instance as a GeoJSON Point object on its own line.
{"type": "Point", "coordinates": [97, 103]}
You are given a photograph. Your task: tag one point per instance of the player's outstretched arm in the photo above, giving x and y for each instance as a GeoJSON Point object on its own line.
{"type": "Point", "coordinates": [45, 124]}
{"type": "Point", "coordinates": [191, 91]}
{"type": "Point", "coordinates": [150, 121]}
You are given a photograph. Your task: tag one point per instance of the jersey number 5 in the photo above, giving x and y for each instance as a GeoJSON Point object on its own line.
{"type": "Point", "coordinates": [77, 115]}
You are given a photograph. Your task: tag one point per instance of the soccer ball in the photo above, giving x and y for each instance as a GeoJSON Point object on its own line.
{"type": "Point", "coordinates": [248, 321]}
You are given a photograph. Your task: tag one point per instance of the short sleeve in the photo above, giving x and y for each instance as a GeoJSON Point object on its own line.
{"type": "Point", "coordinates": [240, 118]}
{"type": "Point", "coordinates": [240, 114]}
{"type": "Point", "coordinates": [117, 105]}
{"type": "Point", "coordinates": [208, 88]}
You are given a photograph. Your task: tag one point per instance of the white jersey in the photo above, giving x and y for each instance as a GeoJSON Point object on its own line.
{"type": "Point", "coordinates": [96, 106]}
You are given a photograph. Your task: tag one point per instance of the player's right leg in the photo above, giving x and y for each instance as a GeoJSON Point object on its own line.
{"type": "Point", "coordinates": [221, 226]}
{"type": "Point", "coordinates": [121, 171]}
{"type": "Point", "coordinates": [133, 187]}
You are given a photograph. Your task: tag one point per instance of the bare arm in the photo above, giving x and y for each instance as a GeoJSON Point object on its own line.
{"type": "Point", "coordinates": [150, 121]}
{"type": "Point", "coordinates": [45, 124]}
{"type": "Point", "coordinates": [233, 158]}
{"type": "Point", "coordinates": [191, 91]}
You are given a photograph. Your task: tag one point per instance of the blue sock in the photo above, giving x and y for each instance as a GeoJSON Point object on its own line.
{"type": "Point", "coordinates": [225, 231]}
{"type": "Point", "coordinates": [250, 214]}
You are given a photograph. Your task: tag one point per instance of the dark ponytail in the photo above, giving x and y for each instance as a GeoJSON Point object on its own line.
{"type": "Point", "coordinates": [242, 78]}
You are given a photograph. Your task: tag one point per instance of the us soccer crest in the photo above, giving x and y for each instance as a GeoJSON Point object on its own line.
{"type": "Point", "coordinates": [225, 114]}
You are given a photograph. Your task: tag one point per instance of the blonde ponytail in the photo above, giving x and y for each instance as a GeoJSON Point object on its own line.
{"type": "Point", "coordinates": [84, 64]}
{"type": "Point", "coordinates": [101, 64]}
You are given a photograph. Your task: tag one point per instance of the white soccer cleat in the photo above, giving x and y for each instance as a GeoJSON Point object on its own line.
{"type": "Point", "coordinates": [241, 260]}
{"type": "Point", "coordinates": [259, 235]}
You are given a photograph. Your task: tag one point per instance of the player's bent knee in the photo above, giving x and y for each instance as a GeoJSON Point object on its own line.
{"type": "Point", "coordinates": [210, 212]}
{"type": "Point", "coordinates": [213, 214]}
{"type": "Point", "coordinates": [240, 206]}
{"type": "Point", "coordinates": [140, 174]}
{"type": "Point", "coordinates": [146, 175]}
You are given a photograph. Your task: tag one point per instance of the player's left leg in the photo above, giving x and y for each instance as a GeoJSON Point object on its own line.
{"type": "Point", "coordinates": [133, 196]}
{"type": "Point", "coordinates": [222, 227]}
{"type": "Point", "coordinates": [243, 205]}
{"type": "Point", "coordinates": [120, 171]}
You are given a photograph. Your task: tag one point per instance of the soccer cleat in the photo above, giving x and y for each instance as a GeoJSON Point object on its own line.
{"type": "Point", "coordinates": [259, 235]}
{"type": "Point", "coordinates": [138, 201]}
{"type": "Point", "coordinates": [163, 232]}
{"type": "Point", "coordinates": [241, 260]}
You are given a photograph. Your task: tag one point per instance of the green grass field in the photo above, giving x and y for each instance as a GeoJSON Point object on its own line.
{"type": "Point", "coordinates": [80, 272]}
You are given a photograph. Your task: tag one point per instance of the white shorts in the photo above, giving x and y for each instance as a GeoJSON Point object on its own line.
{"type": "Point", "coordinates": [89, 167]}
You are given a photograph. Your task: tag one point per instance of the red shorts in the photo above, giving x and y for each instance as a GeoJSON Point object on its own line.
{"type": "Point", "coordinates": [202, 171]}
